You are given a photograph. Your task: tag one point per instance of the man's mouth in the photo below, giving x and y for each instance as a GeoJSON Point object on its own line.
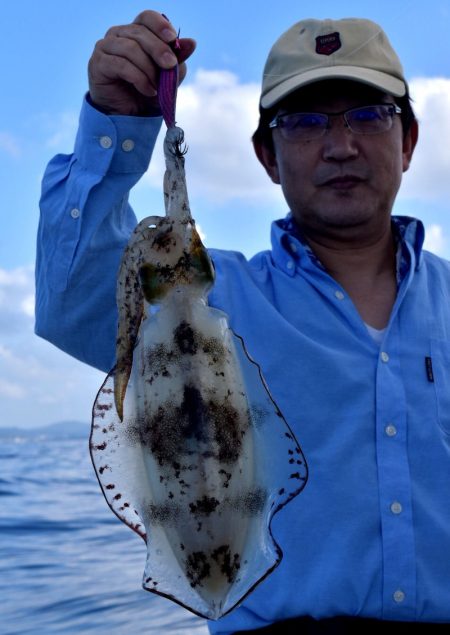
{"type": "Point", "coordinates": [343, 182]}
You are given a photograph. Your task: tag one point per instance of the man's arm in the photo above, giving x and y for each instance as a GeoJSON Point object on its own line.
{"type": "Point", "coordinates": [85, 217]}
{"type": "Point", "coordinates": [85, 222]}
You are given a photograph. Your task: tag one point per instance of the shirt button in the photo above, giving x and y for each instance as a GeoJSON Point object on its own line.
{"type": "Point", "coordinates": [396, 508]}
{"type": "Point", "coordinates": [293, 247]}
{"type": "Point", "coordinates": [384, 357]}
{"type": "Point", "coordinates": [339, 295]}
{"type": "Point", "coordinates": [290, 264]}
{"type": "Point", "coordinates": [75, 213]}
{"type": "Point", "coordinates": [106, 142]}
{"type": "Point", "coordinates": [128, 145]}
{"type": "Point", "coordinates": [398, 596]}
{"type": "Point", "coordinates": [390, 430]}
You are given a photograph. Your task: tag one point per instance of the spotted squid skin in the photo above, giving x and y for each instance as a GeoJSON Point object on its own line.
{"type": "Point", "coordinates": [189, 447]}
{"type": "Point", "coordinates": [192, 418]}
{"type": "Point", "coordinates": [196, 467]}
{"type": "Point", "coordinates": [162, 253]}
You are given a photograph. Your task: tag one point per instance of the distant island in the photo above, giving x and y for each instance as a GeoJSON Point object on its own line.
{"type": "Point", "coordinates": [58, 430]}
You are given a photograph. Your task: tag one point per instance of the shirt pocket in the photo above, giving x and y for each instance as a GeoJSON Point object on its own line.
{"type": "Point", "coordinates": [440, 355]}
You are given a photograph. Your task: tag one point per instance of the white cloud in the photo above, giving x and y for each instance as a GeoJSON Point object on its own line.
{"type": "Point", "coordinates": [21, 276]}
{"type": "Point", "coordinates": [219, 116]}
{"type": "Point", "coordinates": [428, 177]}
{"type": "Point", "coordinates": [12, 390]}
{"type": "Point", "coordinates": [39, 384]}
{"type": "Point", "coordinates": [16, 299]}
{"type": "Point", "coordinates": [435, 240]}
{"type": "Point", "coordinates": [10, 145]}
{"type": "Point", "coordinates": [54, 131]}
{"type": "Point", "coordinates": [27, 305]}
{"type": "Point", "coordinates": [62, 130]}
{"type": "Point", "coordinates": [201, 233]}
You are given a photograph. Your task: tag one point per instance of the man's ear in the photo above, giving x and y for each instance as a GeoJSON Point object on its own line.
{"type": "Point", "coordinates": [409, 143]}
{"type": "Point", "coordinates": [268, 159]}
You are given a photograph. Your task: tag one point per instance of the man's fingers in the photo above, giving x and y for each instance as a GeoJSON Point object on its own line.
{"type": "Point", "coordinates": [125, 65]}
{"type": "Point", "coordinates": [143, 50]}
{"type": "Point", "coordinates": [115, 57]}
{"type": "Point", "coordinates": [163, 29]}
{"type": "Point", "coordinates": [158, 24]}
{"type": "Point", "coordinates": [132, 39]}
{"type": "Point", "coordinates": [110, 68]}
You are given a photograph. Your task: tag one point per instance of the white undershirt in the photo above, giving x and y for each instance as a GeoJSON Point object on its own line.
{"type": "Point", "coordinates": [376, 334]}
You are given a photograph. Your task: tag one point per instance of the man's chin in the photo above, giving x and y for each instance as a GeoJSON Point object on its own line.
{"type": "Point", "coordinates": [344, 218]}
{"type": "Point", "coordinates": [343, 227]}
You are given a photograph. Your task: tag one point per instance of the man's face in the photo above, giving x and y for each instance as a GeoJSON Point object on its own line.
{"type": "Point", "coordinates": [341, 184]}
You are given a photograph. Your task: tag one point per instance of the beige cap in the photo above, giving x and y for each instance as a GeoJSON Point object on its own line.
{"type": "Point", "coordinates": [314, 50]}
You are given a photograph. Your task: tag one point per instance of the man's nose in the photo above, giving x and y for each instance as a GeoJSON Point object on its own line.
{"type": "Point", "coordinates": [339, 142]}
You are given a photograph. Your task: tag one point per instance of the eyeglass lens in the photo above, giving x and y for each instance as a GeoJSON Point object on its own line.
{"type": "Point", "coordinates": [363, 120]}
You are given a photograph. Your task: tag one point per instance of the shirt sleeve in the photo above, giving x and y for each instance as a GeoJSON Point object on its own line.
{"type": "Point", "coordinates": [85, 222]}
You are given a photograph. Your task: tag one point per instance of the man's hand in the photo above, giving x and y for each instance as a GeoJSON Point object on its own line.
{"type": "Point", "coordinates": [124, 67]}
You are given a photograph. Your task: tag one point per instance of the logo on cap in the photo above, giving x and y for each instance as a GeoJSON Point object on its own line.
{"type": "Point", "coordinates": [328, 44]}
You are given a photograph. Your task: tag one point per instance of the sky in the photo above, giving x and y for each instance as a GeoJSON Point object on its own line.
{"type": "Point", "coordinates": [44, 51]}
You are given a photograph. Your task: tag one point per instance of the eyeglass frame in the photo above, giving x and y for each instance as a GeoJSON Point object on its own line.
{"type": "Point", "coordinates": [395, 110]}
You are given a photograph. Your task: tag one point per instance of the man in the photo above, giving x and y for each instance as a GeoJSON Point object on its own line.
{"type": "Point", "coordinates": [347, 316]}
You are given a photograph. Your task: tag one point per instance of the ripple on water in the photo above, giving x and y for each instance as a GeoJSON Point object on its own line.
{"type": "Point", "coordinates": [62, 569]}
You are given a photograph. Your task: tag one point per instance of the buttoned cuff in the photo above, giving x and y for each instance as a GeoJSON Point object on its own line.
{"type": "Point", "coordinates": [115, 143]}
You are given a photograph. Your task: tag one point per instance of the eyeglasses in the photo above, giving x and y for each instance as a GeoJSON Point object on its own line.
{"type": "Point", "coordinates": [304, 126]}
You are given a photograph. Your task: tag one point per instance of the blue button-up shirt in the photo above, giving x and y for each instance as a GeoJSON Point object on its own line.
{"type": "Point", "coordinates": [370, 534]}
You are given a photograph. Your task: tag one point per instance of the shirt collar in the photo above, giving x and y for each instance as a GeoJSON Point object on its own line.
{"type": "Point", "coordinates": [290, 249]}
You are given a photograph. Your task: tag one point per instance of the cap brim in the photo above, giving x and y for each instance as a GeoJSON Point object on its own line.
{"type": "Point", "coordinates": [392, 85]}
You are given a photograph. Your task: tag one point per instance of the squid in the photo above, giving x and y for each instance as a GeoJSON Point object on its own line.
{"type": "Point", "coordinates": [188, 445]}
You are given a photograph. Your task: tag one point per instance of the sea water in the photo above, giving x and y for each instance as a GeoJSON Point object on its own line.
{"type": "Point", "coordinates": [67, 564]}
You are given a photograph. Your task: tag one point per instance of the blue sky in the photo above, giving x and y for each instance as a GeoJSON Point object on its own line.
{"type": "Point", "coordinates": [45, 47]}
